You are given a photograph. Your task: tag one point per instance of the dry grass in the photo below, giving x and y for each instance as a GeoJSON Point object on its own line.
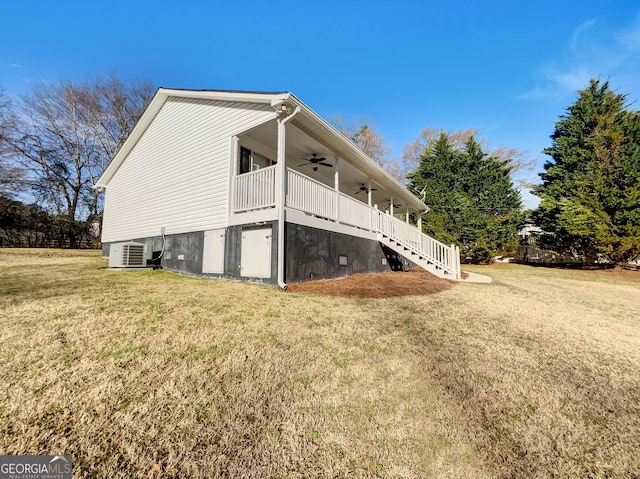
{"type": "Point", "coordinates": [152, 374]}
{"type": "Point", "coordinates": [544, 364]}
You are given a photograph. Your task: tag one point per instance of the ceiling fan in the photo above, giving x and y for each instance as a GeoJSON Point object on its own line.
{"type": "Point", "coordinates": [315, 161]}
{"type": "Point", "coordinates": [365, 189]}
{"type": "Point", "coordinates": [395, 205]}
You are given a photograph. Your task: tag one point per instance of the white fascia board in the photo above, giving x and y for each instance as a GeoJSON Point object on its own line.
{"type": "Point", "coordinates": [221, 95]}
{"type": "Point", "coordinates": [378, 174]}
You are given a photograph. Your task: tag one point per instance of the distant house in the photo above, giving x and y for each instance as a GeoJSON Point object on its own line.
{"type": "Point", "coordinates": [257, 186]}
{"type": "Point", "coordinates": [528, 231]}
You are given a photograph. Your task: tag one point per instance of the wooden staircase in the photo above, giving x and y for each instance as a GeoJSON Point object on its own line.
{"type": "Point", "coordinates": [428, 253]}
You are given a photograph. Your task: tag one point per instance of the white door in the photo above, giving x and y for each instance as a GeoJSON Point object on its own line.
{"type": "Point", "coordinates": [213, 252]}
{"type": "Point", "coordinates": [255, 256]}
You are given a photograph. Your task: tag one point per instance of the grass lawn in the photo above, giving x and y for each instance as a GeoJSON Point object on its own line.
{"type": "Point", "coordinates": [152, 374]}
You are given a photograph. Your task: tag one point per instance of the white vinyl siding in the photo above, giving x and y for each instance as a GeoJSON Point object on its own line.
{"type": "Point", "coordinates": [176, 175]}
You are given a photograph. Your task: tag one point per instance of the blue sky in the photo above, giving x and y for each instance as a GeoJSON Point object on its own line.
{"type": "Point", "coordinates": [507, 68]}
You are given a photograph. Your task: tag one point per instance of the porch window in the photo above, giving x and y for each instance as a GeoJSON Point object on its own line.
{"type": "Point", "coordinates": [252, 160]}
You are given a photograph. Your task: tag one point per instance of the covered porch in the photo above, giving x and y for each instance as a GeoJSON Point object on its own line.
{"type": "Point", "coordinates": [329, 185]}
{"type": "Point", "coordinates": [286, 170]}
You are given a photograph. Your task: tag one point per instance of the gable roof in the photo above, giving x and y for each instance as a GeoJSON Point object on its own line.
{"type": "Point", "coordinates": [307, 120]}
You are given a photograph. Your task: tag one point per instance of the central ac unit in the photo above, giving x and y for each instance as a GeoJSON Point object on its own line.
{"type": "Point", "coordinates": [129, 255]}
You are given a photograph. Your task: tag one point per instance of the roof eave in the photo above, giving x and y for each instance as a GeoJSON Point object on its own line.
{"type": "Point", "coordinates": [228, 95]}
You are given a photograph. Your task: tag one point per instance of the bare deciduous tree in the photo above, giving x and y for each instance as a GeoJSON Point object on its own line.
{"type": "Point", "coordinates": [11, 177]}
{"type": "Point", "coordinates": [62, 136]}
{"type": "Point", "coordinates": [363, 135]}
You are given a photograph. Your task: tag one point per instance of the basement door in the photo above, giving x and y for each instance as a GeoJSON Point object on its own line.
{"type": "Point", "coordinates": [213, 252]}
{"type": "Point", "coordinates": [255, 255]}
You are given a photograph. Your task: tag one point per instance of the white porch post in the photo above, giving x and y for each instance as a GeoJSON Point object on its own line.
{"type": "Point", "coordinates": [235, 148]}
{"type": "Point", "coordinates": [377, 220]}
{"type": "Point", "coordinates": [281, 168]}
{"type": "Point", "coordinates": [455, 261]}
{"type": "Point", "coordinates": [420, 222]}
{"type": "Point", "coordinates": [369, 202]}
{"type": "Point", "coordinates": [336, 185]}
{"type": "Point", "coordinates": [406, 215]}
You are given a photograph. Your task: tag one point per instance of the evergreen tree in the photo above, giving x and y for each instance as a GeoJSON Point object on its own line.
{"type": "Point", "coordinates": [473, 201]}
{"type": "Point", "coordinates": [589, 192]}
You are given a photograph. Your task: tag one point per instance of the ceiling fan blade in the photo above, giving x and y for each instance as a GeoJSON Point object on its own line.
{"type": "Point", "coordinates": [359, 191]}
{"type": "Point", "coordinates": [304, 164]}
{"type": "Point", "coordinates": [324, 164]}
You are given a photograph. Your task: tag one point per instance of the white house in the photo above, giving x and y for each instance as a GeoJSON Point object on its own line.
{"type": "Point", "coordinates": [257, 186]}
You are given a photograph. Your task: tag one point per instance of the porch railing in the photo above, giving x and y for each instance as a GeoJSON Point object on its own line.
{"type": "Point", "coordinates": [310, 196]}
{"type": "Point", "coordinates": [255, 190]}
{"type": "Point", "coordinates": [355, 213]}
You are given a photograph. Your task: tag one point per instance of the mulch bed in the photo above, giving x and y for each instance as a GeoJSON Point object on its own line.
{"type": "Point", "coordinates": [376, 285]}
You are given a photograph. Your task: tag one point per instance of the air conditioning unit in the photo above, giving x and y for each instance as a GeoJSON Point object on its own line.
{"type": "Point", "coordinates": [129, 255]}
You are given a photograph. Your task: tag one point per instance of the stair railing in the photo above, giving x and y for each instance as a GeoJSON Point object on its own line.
{"type": "Point", "coordinates": [440, 255]}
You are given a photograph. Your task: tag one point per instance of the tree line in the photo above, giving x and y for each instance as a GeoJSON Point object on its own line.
{"type": "Point", "coordinates": [56, 140]}
{"type": "Point", "coordinates": [590, 188]}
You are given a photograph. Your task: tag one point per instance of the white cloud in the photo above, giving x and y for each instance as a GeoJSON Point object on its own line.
{"type": "Point", "coordinates": [535, 93]}
{"type": "Point", "coordinates": [571, 80]}
{"type": "Point", "coordinates": [577, 34]}
{"type": "Point", "coordinates": [593, 50]}
{"type": "Point", "coordinates": [630, 39]}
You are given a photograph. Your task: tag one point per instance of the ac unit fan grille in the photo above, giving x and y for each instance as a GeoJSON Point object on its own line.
{"type": "Point", "coordinates": [133, 255]}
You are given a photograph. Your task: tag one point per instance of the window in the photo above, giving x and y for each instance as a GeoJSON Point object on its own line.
{"type": "Point", "coordinates": [252, 161]}
{"type": "Point", "coordinates": [245, 160]}
{"type": "Point", "coordinates": [260, 161]}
